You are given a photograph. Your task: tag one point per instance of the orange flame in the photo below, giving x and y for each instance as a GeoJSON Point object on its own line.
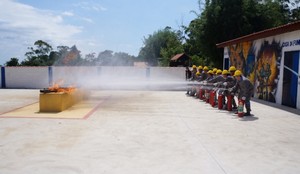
{"type": "Point", "coordinates": [56, 87]}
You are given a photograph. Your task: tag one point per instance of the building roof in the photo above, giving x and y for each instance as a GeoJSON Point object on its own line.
{"type": "Point", "coordinates": [140, 64]}
{"type": "Point", "coordinates": [263, 34]}
{"type": "Point", "coordinates": [177, 56]}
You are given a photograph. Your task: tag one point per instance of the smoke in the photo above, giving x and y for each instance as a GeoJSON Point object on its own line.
{"type": "Point", "coordinates": [121, 77]}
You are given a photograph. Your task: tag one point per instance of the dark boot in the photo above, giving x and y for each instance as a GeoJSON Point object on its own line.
{"type": "Point", "coordinates": [248, 112]}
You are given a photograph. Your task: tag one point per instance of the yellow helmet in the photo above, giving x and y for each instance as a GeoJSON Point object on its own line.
{"type": "Point", "coordinates": [237, 73]}
{"type": "Point", "coordinates": [197, 73]}
{"type": "Point", "coordinates": [225, 72]}
{"type": "Point", "coordinates": [215, 70]}
{"type": "Point", "coordinates": [205, 68]}
{"type": "Point", "coordinates": [194, 66]}
{"type": "Point", "coordinates": [200, 67]}
{"type": "Point", "coordinates": [232, 68]}
{"type": "Point", "coordinates": [210, 72]}
{"type": "Point", "coordinates": [219, 71]}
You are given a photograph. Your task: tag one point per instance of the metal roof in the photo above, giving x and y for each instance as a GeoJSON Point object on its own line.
{"type": "Point", "coordinates": [177, 56]}
{"type": "Point", "coordinates": [263, 34]}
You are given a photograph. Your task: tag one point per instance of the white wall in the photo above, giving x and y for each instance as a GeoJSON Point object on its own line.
{"type": "Point", "coordinates": [123, 72]}
{"type": "Point", "coordinates": [168, 73]}
{"type": "Point", "coordinates": [71, 75]}
{"type": "Point", "coordinates": [26, 77]}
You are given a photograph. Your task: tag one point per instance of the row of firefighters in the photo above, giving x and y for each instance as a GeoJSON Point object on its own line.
{"type": "Point", "coordinates": [220, 87]}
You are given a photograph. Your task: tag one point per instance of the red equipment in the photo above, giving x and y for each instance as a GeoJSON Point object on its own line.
{"type": "Point", "coordinates": [229, 102]}
{"type": "Point", "coordinates": [201, 94]}
{"type": "Point", "coordinates": [241, 108]}
{"type": "Point", "coordinates": [220, 101]}
{"type": "Point", "coordinates": [212, 95]}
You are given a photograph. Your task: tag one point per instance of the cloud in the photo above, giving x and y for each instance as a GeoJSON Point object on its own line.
{"type": "Point", "coordinates": [21, 24]}
{"type": "Point", "coordinates": [87, 20]}
{"type": "Point", "coordinates": [90, 6]}
{"type": "Point", "coordinates": [68, 13]}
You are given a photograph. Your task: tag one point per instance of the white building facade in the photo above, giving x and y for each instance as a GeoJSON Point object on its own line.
{"type": "Point", "coordinates": [270, 59]}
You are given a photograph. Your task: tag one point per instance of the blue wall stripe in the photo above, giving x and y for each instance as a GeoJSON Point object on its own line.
{"type": "Point", "coordinates": [3, 82]}
{"type": "Point", "coordinates": [294, 80]}
{"type": "Point", "coordinates": [50, 75]}
{"type": "Point", "coordinates": [148, 72]}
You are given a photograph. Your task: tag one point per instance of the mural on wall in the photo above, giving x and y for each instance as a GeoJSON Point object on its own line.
{"type": "Point", "coordinates": [267, 70]}
{"type": "Point", "coordinates": [259, 65]}
{"type": "Point", "coordinates": [242, 57]}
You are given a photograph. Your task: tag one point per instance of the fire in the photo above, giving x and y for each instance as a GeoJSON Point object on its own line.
{"type": "Point", "coordinates": [57, 87]}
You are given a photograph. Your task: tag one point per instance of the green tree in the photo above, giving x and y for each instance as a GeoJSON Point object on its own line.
{"type": "Point", "coordinates": [12, 62]}
{"type": "Point", "coordinates": [90, 58]}
{"type": "Point", "coordinates": [59, 55]}
{"type": "Point", "coordinates": [173, 46]}
{"type": "Point", "coordinates": [66, 56]}
{"type": "Point", "coordinates": [109, 58]}
{"type": "Point", "coordinates": [38, 55]}
{"type": "Point", "coordinates": [294, 9]}
{"type": "Point", "coordinates": [123, 59]}
{"type": "Point", "coordinates": [222, 20]}
{"type": "Point", "coordinates": [161, 46]}
{"type": "Point", "coordinates": [73, 57]}
{"type": "Point", "coordinates": [104, 58]}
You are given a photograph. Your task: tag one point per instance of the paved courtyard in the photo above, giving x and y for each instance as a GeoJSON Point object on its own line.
{"type": "Point", "coordinates": [148, 132]}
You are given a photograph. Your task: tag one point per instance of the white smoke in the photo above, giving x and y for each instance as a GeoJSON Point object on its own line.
{"type": "Point", "coordinates": [122, 77]}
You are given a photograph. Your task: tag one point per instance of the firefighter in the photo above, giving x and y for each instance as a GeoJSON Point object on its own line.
{"type": "Point", "coordinates": [245, 90]}
{"type": "Point", "coordinates": [204, 73]}
{"type": "Point", "coordinates": [219, 72]}
{"type": "Point", "coordinates": [208, 87]}
{"type": "Point", "coordinates": [230, 82]}
{"type": "Point", "coordinates": [188, 73]}
{"type": "Point", "coordinates": [200, 68]}
{"type": "Point", "coordinates": [217, 78]}
{"type": "Point", "coordinates": [194, 71]}
{"type": "Point", "coordinates": [215, 71]}
{"type": "Point", "coordinates": [193, 78]}
{"type": "Point", "coordinates": [224, 92]}
{"type": "Point", "coordinates": [194, 89]}
{"type": "Point", "coordinates": [232, 69]}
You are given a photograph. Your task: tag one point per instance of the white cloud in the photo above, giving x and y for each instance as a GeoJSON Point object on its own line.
{"type": "Point", "coordinates": [20, 23]}
{"type": "Point", "coordinates": [90, 6]}
{"type": "Point", "coordinates": [68, 13]}
{"type": "Point", "coordinates": [87, 20]}
{"type": "Point", "coordinates": [98, 8]}
{"type": "Point", "coordinates": [91, 44]}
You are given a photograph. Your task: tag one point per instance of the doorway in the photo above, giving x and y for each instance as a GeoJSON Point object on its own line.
{"type": "Point", "coordinates": [290, 78]}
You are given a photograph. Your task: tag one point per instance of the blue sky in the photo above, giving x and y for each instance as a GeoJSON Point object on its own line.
{"type": "Point", "coordinates": [91, 25]}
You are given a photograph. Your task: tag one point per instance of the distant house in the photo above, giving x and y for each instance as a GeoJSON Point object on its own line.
{"type": "Point", "coordinates": [140, 64]}
{"type": "Point", "coordinates": [180, 60]}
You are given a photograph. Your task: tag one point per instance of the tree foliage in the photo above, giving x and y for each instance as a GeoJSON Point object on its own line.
{"type": "Point", "coordinates": [161, 46]}
{"type": "Point", "coordinates": [109, 58]}
{"type": "Point", "coordinates": [13, 62]}
{"type": "Point", "coordinates": [221, 20]}
{"type": "Point", "coordinates": [42, 54]}
{"type": "Point", "coordinates": [38, 54]}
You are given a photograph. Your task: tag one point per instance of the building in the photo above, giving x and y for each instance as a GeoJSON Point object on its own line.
{"type": "Point", "coordinates": [270, 59]}
{"type": "Point", "coordinates": [140, 64]}
{"type": "Point", "coordinates": [180, 60]}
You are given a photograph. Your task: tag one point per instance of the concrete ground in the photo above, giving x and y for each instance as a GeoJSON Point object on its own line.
{"type": "Point", "coordinates": [148, 132]}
